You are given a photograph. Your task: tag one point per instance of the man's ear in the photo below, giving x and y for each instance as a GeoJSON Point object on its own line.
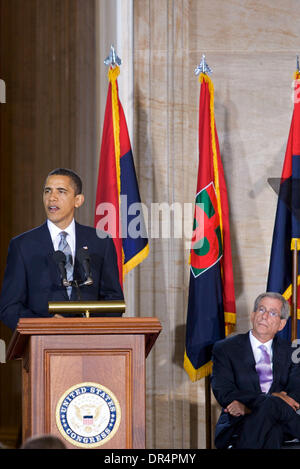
{"type": "Point", "coordinates": [79, 200]}
{"type": "Point", "coordinates": [282, 324]}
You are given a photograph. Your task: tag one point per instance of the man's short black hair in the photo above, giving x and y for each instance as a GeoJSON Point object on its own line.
{"type": "Point", "coordinates": [72, 175]}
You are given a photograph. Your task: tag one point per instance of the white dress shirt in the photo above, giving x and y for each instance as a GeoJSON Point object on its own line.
{"type": "Point", "coordinates": [55, 235]}
{"type": "Point", "coordinates": [255, 343]}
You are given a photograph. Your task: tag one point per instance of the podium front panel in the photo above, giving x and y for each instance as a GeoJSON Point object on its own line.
{"type": "Point", "coordinates": [88, 390]}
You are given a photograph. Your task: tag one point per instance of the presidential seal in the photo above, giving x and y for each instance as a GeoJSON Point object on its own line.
{"type": "Point", "coordinates": [88, 415]}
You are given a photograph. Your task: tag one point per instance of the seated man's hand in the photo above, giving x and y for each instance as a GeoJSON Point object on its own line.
{"type": "Point", "coordinates": [236, 409]}
{"type": "Point", "coordinates": [289, 400]}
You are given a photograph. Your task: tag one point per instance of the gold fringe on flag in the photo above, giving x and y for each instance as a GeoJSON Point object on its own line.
{"type": "Point", "coordinates": [195, 375]}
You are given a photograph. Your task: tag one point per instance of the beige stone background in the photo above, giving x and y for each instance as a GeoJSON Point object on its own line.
{"type": "Point", "coordinates": [251, 47]}
{"type": "Point", "coordinates": [52, 69]}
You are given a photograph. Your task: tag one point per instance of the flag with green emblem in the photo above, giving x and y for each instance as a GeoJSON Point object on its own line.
{"type": "Point", "coordinates": [211, 311]}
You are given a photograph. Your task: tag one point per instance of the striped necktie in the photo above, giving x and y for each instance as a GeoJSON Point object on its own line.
{"type": "Point", "coordinates": [65, 248]}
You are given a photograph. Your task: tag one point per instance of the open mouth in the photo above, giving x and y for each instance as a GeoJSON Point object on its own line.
{"type": "Point", "coordinates": [53, 208]}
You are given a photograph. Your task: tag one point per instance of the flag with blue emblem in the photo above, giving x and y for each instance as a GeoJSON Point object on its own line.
{"type": "Point", "coordinates": [118, 209]}
{"type": "Point", "coordinates": [287, 220]}
{"type": "Point", "coordinates": [211, 304]}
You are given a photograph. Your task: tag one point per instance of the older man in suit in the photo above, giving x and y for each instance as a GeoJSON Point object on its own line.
{"type": "Point", "coordinates": [256, 380]}
{"type": "Point", "coordinates": [32, 277]}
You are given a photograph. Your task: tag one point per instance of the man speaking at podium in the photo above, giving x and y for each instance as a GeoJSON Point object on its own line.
{"type": "Point", "coordinates": [43, 263]}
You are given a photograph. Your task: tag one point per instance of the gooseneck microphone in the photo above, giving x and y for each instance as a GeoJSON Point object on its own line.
{"type": "Point", "coordinates": [84, 259]}
{"type": "Point", "coordinates": [60, 259]}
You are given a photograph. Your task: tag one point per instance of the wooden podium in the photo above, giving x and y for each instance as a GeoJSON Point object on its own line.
{"type": "Point", "coordinates": [84, 378]}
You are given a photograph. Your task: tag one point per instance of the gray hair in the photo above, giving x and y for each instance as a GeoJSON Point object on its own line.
{"type": "Point", "coordinates": [285, 308]}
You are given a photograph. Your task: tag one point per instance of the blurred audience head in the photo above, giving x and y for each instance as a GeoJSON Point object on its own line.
{"type": "Point", "coordinates": [43, 442]}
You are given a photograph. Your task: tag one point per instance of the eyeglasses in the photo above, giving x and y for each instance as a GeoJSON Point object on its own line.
{"type": "Point", "coordinates": [271, 312]}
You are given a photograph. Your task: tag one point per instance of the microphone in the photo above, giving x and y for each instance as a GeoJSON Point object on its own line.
{"type": "Point", "coordinates": [60, 259]}
{"type": "Point", "coordinates": [84, 258]}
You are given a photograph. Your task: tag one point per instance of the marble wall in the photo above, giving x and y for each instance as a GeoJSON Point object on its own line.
{"type": "Point", "coordinates": [251, 47]}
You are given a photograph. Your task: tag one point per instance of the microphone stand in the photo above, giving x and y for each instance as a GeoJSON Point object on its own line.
{"type": "Point", "coordinates": [75, 284]}
{"type": "Point", "coordinates": [87, 315]}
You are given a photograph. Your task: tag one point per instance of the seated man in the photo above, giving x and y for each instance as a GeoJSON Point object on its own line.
{"type": "Point", "coordinates": [256, 380]}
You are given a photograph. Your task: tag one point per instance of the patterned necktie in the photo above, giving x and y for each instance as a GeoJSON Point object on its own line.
{"type": "Point", "coordinates": [264, 369]}
{"type": "Point", "coordinates": [65, 248]}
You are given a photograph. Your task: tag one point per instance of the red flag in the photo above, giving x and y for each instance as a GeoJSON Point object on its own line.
{"type": "Point", "coordinates": [287, 219]}
{"type": "Point", "coordinates": [117, 179]}
{"type": "Point", "coordinates": [211, 307]}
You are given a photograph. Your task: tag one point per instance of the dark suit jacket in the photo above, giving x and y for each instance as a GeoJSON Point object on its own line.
{"type": "Point", "coordinates": [234, 377]}
{"type": "Point", "coordinates": [32, 278]}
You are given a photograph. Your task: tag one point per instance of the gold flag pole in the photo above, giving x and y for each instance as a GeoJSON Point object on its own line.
{"type": "Point", "coordinates": [294, 292]}
{"type": "Point", "coordinates": [294, 312]}
{"type": "Point", "coordinates": [204, 68]}
{"type": "Point", "coordinates": [208, 412]}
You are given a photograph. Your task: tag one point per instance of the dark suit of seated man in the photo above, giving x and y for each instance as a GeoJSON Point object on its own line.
{"type": "Point", "coordinates": [32, 277]}
{"type": "Point", "coordinates": [259, 399]}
